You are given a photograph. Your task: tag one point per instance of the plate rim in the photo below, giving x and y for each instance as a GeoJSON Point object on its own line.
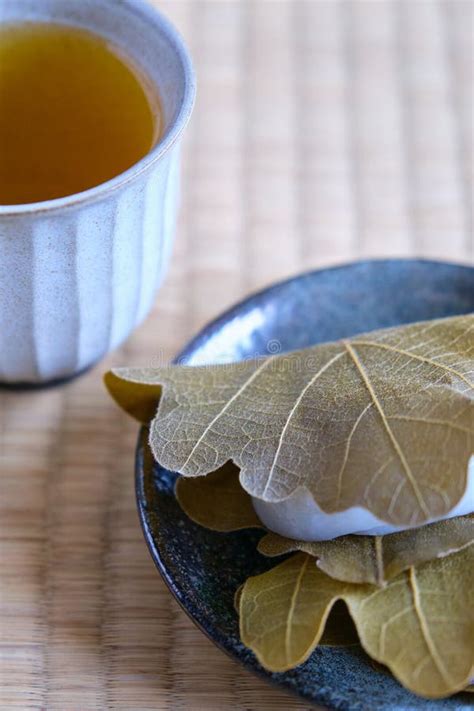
{"type": "Point", "coordinates": [214, 324]}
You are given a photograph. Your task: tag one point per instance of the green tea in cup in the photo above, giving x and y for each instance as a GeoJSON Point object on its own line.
{"type": "Point", "coordinates": [74, 112]}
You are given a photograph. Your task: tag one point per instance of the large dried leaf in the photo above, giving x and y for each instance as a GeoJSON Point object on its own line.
{"type": "Point", "coordinates": [421, 625]}
{"type": "Point", "coordinates": [384, 421]}
{"type": "Point", "coordinates": [283, 611]}
{"type": "Point", "coordinates": [138, 399]}
{"type": "Point", "coordinates": [217, 501]}
{"type": "Point", "coordinates": [339, 630]}
{"type": "Point", "coordinates": [377, 559]}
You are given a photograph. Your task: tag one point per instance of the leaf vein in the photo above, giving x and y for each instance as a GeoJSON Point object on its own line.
{"type": "Point", "coordinates": [225, 408]}
{"type": "Point", "coordinates": [432, 421]}
{"type": "Point", "coordinates": [388, 429]}
{"type": "Point", "coordinates": [438, 662]}
{"type": "Point", "coordinates": [347, 449]}
{"type": "Point", "coordinates": [291, 609]}
{"type": "Point", "coordinates": [293, 411]}
{"type": "Point", "coordinates": [424, 359]}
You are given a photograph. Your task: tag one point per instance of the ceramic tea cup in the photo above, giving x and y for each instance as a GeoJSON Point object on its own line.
{"type": "Point", "coordinates": [78, 273]}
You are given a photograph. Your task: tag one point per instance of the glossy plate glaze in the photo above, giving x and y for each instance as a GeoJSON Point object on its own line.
{"type": "Point", "coordinates": [203, 569]}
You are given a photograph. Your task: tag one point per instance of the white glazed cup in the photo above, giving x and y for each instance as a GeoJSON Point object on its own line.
{"type": "Point", "coordinates": [78, 273]}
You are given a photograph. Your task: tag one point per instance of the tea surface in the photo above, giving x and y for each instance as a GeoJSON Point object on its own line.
{"type": "Point", "coordinates": [74, 112]}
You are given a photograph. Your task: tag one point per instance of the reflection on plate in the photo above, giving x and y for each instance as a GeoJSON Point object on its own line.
{"type": "Point", "coordinates": [203, 568]}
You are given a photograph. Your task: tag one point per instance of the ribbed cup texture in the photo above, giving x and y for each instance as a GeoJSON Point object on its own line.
{"type": "Point", "coordinates": [74, 283]}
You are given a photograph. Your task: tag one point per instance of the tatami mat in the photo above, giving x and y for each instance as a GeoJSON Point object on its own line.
{"type": "Point", "coordinates": [324, 131]}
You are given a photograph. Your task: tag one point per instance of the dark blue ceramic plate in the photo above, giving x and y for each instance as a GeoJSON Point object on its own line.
{"type": "Point", "coordinates": [203, 569]}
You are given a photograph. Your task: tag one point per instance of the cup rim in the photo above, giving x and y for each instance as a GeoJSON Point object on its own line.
{"type": "Point", "coordinates": [155, 17]}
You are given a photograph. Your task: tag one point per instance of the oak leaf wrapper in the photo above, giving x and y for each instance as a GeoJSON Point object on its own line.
{"type": "Point", "coordinates": [421, 625]}
{"type": "Point", "coordinates": [339, 630]}
{"type": "Point", "coordinates": [378, 559]}
{"type": "Point", "coordinates": [218, 502]}
{"type": "Point", "coordinates": [306, 418]}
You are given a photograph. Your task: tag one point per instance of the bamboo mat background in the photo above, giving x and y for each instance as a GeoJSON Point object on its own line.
{"type": "Point", "coordinates": [324, 131]}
